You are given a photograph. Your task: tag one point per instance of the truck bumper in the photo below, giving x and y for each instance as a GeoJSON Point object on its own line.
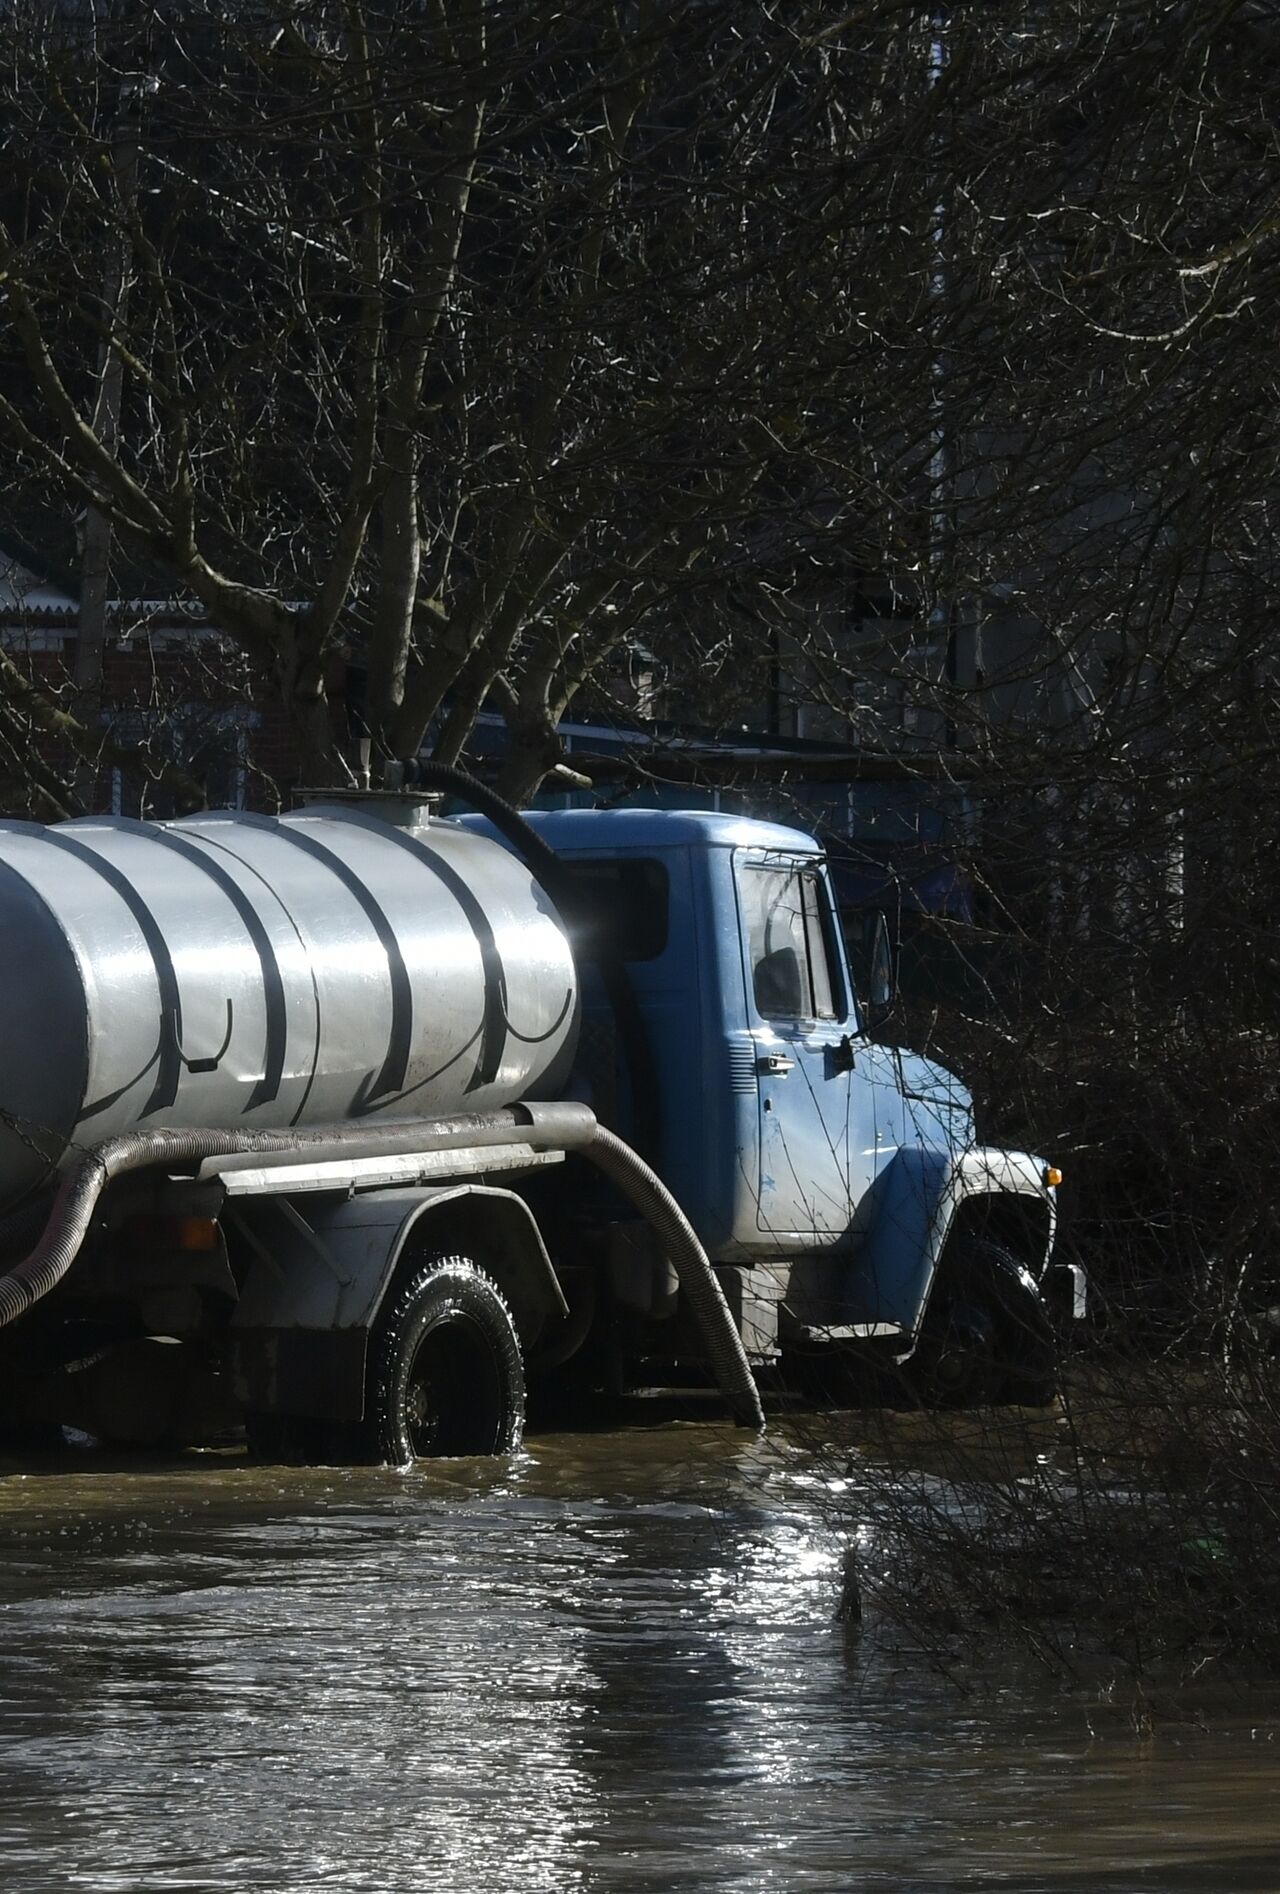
{"type": "Point", "coordinates": [1065, 1288]}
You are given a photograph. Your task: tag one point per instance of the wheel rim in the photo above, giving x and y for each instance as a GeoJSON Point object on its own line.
{"type": "Point", "coordinates": [454, 1402]}
{"type": "Point", "coordinates": [961, 1361]}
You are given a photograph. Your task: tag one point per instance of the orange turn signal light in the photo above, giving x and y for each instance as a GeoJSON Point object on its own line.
{"type": "Point", "coordinates": [197, 1233]}
{"type": "Point", "coordinates": [1052, 1176]}
{"type": "Point", "coordinates": [173, 1233]}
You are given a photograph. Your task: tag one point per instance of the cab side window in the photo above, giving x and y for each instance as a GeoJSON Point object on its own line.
{"type": "Point", "coordinates": [626, 901]}
{"type": "Point", "coordinates": [789, 944]}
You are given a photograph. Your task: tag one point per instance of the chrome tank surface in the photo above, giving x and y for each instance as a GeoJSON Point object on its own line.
{"type": "Point", "coordinates": [249, 971]}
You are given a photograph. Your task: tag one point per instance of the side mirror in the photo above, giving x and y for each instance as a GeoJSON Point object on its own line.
{"type": "Point", "coordinates": [882, 985]}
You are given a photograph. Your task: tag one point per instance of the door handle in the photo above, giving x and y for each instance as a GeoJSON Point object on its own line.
{"type": "Point", "coordinates": [774, 1065]}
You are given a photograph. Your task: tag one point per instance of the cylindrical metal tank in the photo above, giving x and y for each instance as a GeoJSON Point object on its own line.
{"type": "Point", "coordinates": [241, 971]}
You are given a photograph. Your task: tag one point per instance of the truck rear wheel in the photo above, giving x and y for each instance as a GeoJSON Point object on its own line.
{"type": "Point", "coordinates": [445, 1376]}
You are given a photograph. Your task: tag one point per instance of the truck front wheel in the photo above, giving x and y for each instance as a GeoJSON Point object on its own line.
{"type": "Point", "coordinates": [986, 1334]}
{"type": "Point", "coordinates": [445, 1375]}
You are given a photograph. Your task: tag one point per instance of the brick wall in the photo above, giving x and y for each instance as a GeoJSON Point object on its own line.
{"type": "Point", "coordinates": [179, 694]}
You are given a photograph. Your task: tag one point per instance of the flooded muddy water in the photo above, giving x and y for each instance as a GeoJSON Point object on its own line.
{"type": "Point", "coordinates": [612, 1664]}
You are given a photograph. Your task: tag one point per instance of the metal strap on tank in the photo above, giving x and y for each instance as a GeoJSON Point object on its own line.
{"type": "Point", "coordinates": [493, 1028]}
{"type": "Point", "coordinates": [218, 846]}
{"type": "Point", "coordinates": [273, 999]}
{"type": "Point", "coordinates": [168, 1056]}
{"type": "Point", "coordinates": [395, 1066]}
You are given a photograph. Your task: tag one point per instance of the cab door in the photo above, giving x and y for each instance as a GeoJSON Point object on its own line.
{"type": "Point", "coordinates": [816, 1157]}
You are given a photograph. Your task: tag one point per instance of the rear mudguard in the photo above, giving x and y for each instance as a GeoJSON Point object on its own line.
{"type": "Point", "coordinates": [916, 1199]}
{"type": "Point", "coordinates": [301, 1328]}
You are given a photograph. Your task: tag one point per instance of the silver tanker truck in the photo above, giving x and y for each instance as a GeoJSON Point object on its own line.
{"type": "Point", "coordinates": [343, 1124]}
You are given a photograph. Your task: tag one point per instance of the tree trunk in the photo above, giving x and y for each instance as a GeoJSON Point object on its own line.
{"type": "Point", "coordinates": [301, 677]}
{"type": "Point", "coordinates": [531, 756]}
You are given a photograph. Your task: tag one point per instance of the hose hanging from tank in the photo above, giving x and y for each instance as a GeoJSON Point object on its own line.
{"type": "Point", "coordinates": [84, 1181]}
{"type": "Point", "coordinates": [566, 1127]}
{"type": "Point", "coordinates": [420, 772]}
{"type": "Point", "coordinates": [626, 1168]}
{"type": "Point", "coordinates": [698, 1280]}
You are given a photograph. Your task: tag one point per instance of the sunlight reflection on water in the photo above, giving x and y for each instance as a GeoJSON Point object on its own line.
{"type": "Point", "coordinates": [610, 1665]}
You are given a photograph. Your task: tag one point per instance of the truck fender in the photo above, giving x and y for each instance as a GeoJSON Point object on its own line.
{"type": "Point", "coordinates": [917, 1198]}
{"type": "Point", "coordinates": [317, 1281]}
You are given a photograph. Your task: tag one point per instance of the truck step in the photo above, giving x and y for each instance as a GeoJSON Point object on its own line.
{"type": "Point", "coordinates": [283, 1173]}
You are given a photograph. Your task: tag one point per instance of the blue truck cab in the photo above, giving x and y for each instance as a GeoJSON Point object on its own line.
{"type": "Point", "coordinates": [835, 1182]}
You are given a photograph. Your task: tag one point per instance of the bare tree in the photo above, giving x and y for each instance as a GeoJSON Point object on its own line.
{"type": "Point", "coordinates": [477, 340]}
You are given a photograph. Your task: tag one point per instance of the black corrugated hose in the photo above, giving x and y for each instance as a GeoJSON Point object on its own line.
{"type": "Point", "coordinates": [628, 1169]}
{"type": "Point", "coordinates": [698, 1280]}
{"type": "Point", "coordinates": [85, 1179]}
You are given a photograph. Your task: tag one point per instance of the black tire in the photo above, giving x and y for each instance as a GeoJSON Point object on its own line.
{"type": "Point", "coordinates": [987, 1336]}
{"type": "Point", "coordinates": [445, 1377]}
